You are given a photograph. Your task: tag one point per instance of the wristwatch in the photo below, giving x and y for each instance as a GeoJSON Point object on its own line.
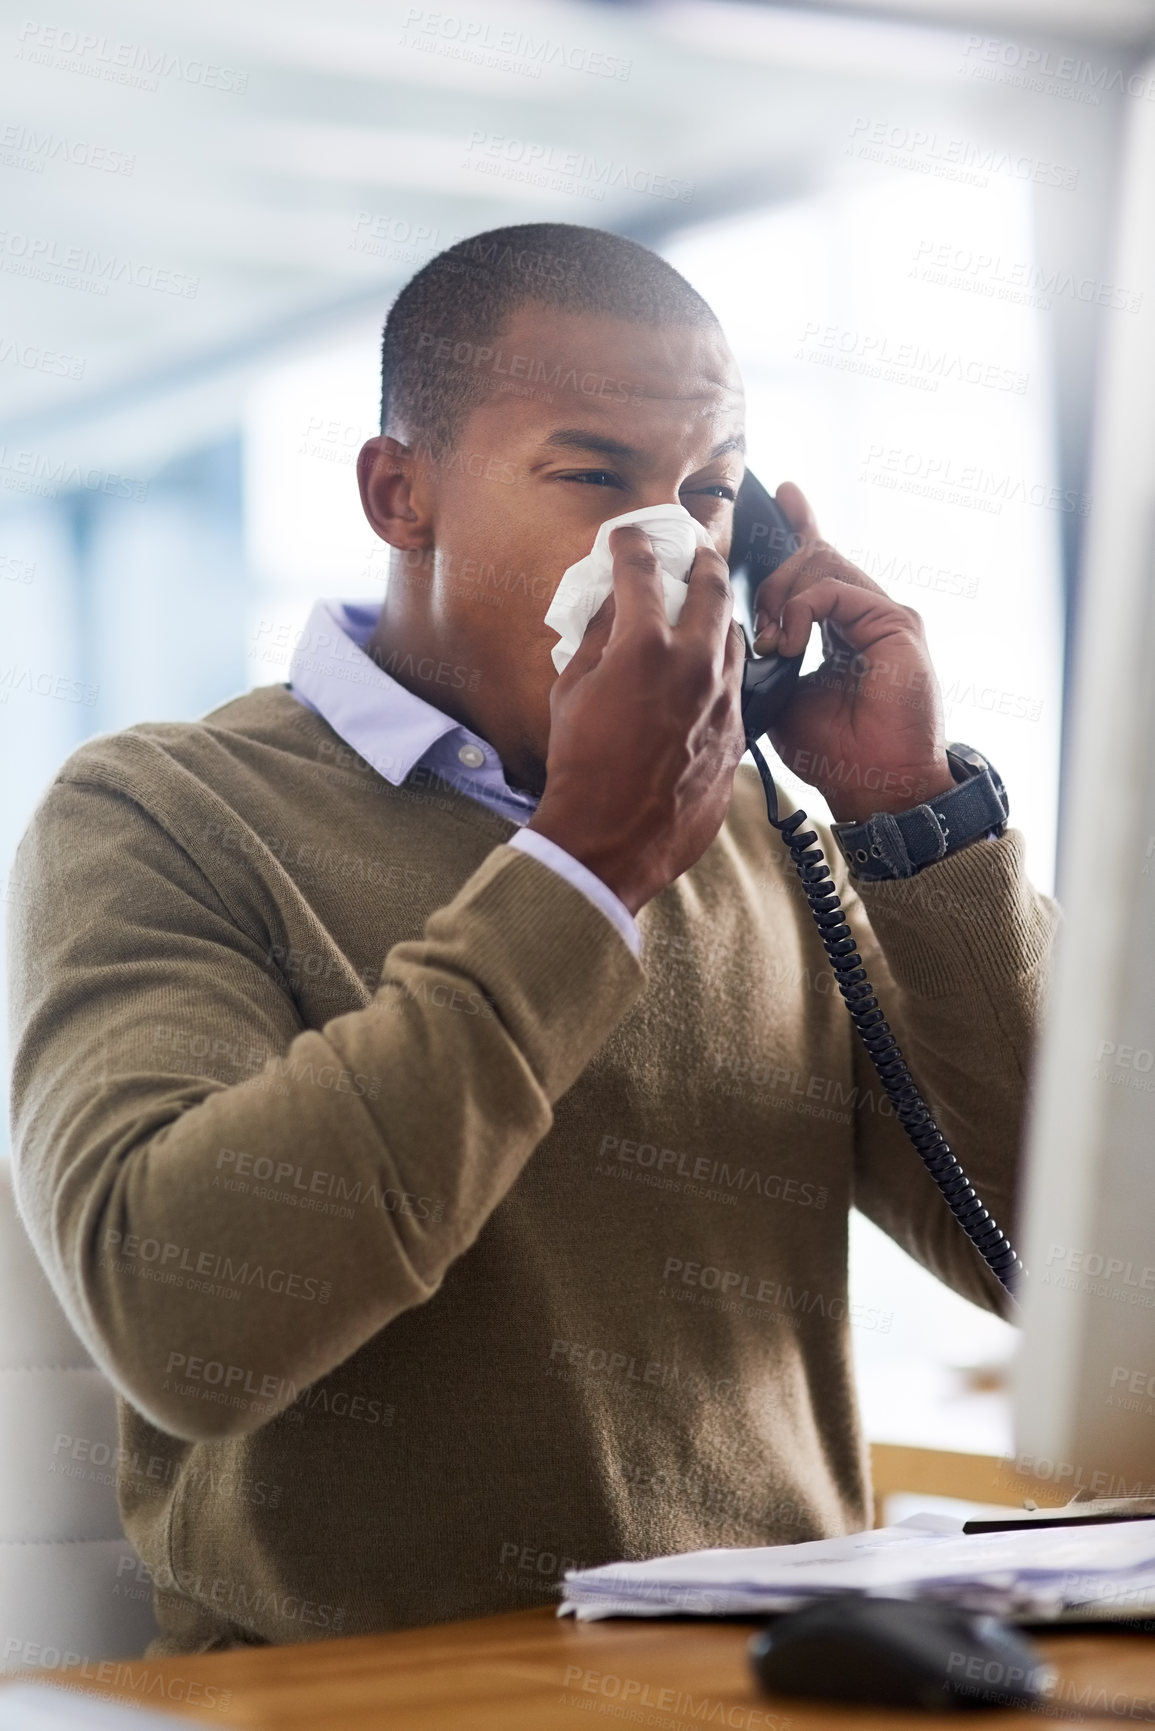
{"type": "Point", "coordinates": [899, 844]}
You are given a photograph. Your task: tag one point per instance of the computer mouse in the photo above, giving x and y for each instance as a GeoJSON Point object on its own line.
{"type": "Point", "coordinates": [898, 1653]}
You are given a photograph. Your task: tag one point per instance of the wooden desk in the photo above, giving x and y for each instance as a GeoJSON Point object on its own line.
{"type": "Point", "coordinates": [974, 1478]}
{"type": "Point", "coordinates": [531, 1671]}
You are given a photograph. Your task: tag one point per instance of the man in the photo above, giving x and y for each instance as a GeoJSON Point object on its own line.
{"type": "Point", "coordinates": [431, 1104]}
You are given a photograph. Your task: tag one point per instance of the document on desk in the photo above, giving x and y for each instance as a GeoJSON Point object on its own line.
{"type": "Point", "coordinates": [1043, 1573]}
{"type": "Point", "coordinates": [50, 1707]}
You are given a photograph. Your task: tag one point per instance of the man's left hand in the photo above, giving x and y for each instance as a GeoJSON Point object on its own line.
{"type": "Point", "coordinates": [866, 728]}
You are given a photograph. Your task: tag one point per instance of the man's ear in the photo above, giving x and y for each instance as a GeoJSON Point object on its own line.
{"type": "Point", "coordinates": [396, 496]}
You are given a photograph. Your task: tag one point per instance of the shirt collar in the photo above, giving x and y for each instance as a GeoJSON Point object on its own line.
{"type": "Point", "coordinates": [385, 723]}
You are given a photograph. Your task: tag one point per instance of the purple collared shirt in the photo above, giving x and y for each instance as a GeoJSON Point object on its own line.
{"type": "Point", "coordinates": [394, 730]}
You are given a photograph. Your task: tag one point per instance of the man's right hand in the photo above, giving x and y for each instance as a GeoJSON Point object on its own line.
{"type": "Point", "coordinates": [646, 726]}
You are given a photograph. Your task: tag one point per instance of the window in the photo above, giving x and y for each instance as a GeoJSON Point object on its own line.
{"type": "Point", "coordinates": [896, 368]}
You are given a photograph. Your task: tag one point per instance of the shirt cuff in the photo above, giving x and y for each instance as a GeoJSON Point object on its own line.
{"type": "Point", "coordinates": [580, 876]}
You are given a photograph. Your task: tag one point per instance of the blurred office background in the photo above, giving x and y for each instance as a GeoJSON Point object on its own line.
{"type": "Point", "coordinates": [901, 214]}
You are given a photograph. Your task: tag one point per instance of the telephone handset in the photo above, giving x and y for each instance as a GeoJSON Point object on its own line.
{"type": "Point", "coordinates": [762, 539]}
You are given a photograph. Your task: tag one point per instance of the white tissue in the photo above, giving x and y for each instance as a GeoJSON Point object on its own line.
{"type": "Point", "coordinates": [675, 537]}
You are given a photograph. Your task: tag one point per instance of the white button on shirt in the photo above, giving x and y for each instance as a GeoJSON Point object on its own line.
{"type": "Point", "coordinates": [394, 730]}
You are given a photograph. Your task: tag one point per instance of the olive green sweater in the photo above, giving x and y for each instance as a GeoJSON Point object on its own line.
{"type": "Point", "coordinates": [433, 1241]}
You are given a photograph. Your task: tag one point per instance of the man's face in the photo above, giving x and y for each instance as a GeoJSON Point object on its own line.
{"type": "Point", "coordinates": [599, 417]}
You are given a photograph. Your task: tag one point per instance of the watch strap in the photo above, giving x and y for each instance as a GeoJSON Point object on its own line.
{"type": "Point", "coordinates": [899, 844]}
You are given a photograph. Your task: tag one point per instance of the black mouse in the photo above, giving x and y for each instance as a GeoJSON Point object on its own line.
{"type": "Point", "coordinates": [898, 1653]}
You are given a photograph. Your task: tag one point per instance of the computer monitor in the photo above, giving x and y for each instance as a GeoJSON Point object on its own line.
{"type": "Point", "coordinates": [1085, 1372]}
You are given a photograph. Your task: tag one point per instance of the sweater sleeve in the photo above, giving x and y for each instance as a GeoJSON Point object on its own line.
{"type": "Point", "coordinates": [958, 958]}
{"type": "Point", "coordinates": [138, 997]}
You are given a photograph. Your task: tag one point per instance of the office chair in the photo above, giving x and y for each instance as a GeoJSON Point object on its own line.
{"type": "Point", "coordinates": [70, 1587]}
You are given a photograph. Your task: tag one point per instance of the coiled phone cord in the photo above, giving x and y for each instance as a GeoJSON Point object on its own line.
{"type": "Point", "coordinates": [885, 1054]}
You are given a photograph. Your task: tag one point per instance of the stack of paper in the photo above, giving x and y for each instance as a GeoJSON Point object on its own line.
{"type": "Point", "coordinates": [1096, 1570]}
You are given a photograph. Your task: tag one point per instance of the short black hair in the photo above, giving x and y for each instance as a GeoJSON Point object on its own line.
{"type": "Point", "coordinates": [462, 299]}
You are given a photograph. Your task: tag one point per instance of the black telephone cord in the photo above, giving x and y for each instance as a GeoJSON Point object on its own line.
{"type": "Point", "coordinates": [885, 1054]}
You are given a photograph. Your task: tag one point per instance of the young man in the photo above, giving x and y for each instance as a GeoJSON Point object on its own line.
{"type": "Point", "coordinates": [431, 1101]}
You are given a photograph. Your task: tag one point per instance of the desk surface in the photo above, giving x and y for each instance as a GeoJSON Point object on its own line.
{"type": "Point", "coordinates": [533, 1671]}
